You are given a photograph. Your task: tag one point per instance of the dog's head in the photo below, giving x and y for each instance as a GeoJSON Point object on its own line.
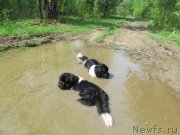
{"type": "Point", "coordinates": [67, 81]}
{"type": "Point", "coordinates": [102, 71]}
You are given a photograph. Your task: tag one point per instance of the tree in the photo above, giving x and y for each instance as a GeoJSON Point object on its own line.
{"type": "Point", "coordinates": [106, 6]}
{"type": "Point", "coordinates": [51, 9]}
{"type": "Point", "coordinates": [124, 8]}
{"type": "Point", "coordinates": [39, 3]}
{"type": "Point", "coordinates": [162, 12]}
{"type": "Point", "coordinates": [139, 8]}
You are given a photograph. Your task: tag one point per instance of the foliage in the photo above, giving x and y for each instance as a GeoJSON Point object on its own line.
{"type": "Point", "coordinates": [160, 13]}
{"type": "Point", "coordinates": [162, 36]}
{"type": "Point", "coordinates": [30, 43]}
{"type": "Point", "coordinates": [151, 24]}
{"type": "Point", "coordinates": [81, 5]}
{"type": "Point", "coordinates": [106, 7]}
{"type": "Point", "coordinates": [5, 14]}
{"type": "Point", "coordinates": [105, 34]}
{"type": "Point", "coordinates": [165, 13]}
{"type": "Point", "coordinates": [124, 8]}
{"type": "Point", "coordinates": [139, 8]}
{"type": "Point", "coordinates": [73, 25]}
{"type": "Point", "coordinates": [15, 9]}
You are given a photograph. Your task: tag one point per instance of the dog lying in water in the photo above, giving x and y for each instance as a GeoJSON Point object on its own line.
{"type": "Point", "coordinates": [91, 94]}
{"type": "Point", "coordinates": [96, 69]}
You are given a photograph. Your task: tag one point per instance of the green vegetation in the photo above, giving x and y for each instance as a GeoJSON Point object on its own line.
{"type": "Point", "coordinates": [36, 27]}
{"type": "Point", "coordinates": [162, 36]}
{"type": "Point", "coordinates": [72, 17]}
{"type": "Point", "coordinates": [30, 43]}
{"type": "Point", "coordinates": [105, 34]}
{"type": "Point", "coordinates": [72, 26]}
{"type": "Point", "coordinates": [2, 48]}
{"type": "Point", "coordinates": [163, 13]}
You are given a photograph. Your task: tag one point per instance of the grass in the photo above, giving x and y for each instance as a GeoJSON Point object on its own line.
{"type": "Point", "coordinates": [158, 39]}
{"type": "Point", "coordinates": [72, 26]}
{"type": "Point", "coordinates": [4, 48]}
{"type": "Point", "coordinates": [30, 43]}
{"type": "Point", "coordinates": [105, 34]}
{"type": "Point", "coordinates": [25, 28]}
{"type": "Point", "coordinates": [75, 26]}
{"type": "Point", "coordinates": [162, 36]}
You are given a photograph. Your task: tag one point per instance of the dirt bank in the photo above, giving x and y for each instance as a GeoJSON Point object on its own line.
{"type": "Point", "coordinates": [159, 61]}
{"type": "Point", "coordinates": [7, 43]}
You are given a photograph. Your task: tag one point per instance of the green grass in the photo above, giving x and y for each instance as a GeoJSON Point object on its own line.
{"type": "Point", "coordinates": [66, 26]}
{"type": "Point", "coordinates": [23, 28]}
{"type": "Point", "coordinates": [162, 36]}
{"type": "Point", "coordinates": [71, 26]}
{"type": "Point", "coordinates": [76, 26]}
{"type": "Point", "coordinates": [159, 40]}
{"type": "Point", "coordinates": [30, 43]}
{"type": "Point", "coordinates": [105, 34]}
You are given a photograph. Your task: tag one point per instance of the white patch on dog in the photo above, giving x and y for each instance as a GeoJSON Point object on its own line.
{"type": "Point", "coordinates": [108, 120]}
{"type": "Point", "coordinates": [91, 71]}
{"type": "Point", "coordinates": [79, 55]}
{"type": "Point", "coordinates": [84, 62]}
{"type": "Point", "coordinates": [80, 79]}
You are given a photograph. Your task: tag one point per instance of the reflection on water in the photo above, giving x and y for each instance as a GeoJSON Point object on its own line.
{"type": "Point", "coordinates": [32, 104]}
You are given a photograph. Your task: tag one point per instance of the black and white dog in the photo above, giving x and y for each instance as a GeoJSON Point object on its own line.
{"type": "Point", "coordinates": [96, 69]}
{"type": "Point", "coordinates": [90, 94]}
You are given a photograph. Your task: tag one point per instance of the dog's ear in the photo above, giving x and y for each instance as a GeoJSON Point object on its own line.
{"type": "Point", "coordinates": [74, 80]}
{"type": "Point", "coordinates": [63, 76]}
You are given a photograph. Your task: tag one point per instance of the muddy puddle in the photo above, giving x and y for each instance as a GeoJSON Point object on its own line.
{"type": "Point", "coordinates": [32, 104]}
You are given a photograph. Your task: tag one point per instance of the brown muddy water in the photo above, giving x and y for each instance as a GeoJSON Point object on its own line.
{"type": "Point", "coordinates": [32, 104]}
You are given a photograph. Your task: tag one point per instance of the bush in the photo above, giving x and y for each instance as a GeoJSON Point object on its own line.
{"type": "Point", "coordinates": [5, 14]}
{"type": "Point", "coordinates": [151, 24]}
{"type": "Point", "coordinates": [139, 8]}
{"type": "Point", "coordinates": [30, 43]}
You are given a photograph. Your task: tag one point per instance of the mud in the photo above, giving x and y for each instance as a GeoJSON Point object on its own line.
{"type": "Point", "coordinates": [160, 61]}
{"type": "Point", "coordinates": [31, 102]}
{"type": "Point", "coordinates": [8, 43]}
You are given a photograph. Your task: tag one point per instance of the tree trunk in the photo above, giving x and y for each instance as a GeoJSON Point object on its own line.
{"type": "Point", "coordinates": [19, 5]}
{"type": "Point", "coordinates": [51, 9]}
{"type": "Point", "coordinates": [40, 9]}
{"type": "Point", "coordinates": [106, 11]}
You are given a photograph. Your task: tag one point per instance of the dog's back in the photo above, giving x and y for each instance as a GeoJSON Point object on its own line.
{"type": "Point", "coordinates": [95, 68]}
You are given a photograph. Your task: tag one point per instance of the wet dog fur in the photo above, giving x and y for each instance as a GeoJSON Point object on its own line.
{"type": "Point", "coordinates": [91, 94]}
{"type": "Point", "coordinates": [95, 68]}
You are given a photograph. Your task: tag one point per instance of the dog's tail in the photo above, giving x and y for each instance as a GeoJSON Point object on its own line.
{"type": "Point", "coordinates": [103, 109]}
{"type": "Point", "coordinates": [81, 58]}
{"type": "Point", "coordinates": [108, 120]}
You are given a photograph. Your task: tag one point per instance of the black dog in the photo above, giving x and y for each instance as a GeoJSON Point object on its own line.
{"type": "Point", "coordinates": [90, 94]}
{"type": "Point", "coordinates": [96, 69]}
